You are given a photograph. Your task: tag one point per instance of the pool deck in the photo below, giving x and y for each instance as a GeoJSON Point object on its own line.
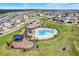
{"type": "Point", "coordinates": [48, 35]}
{"type": "Point", "coordinates": [35, 32]}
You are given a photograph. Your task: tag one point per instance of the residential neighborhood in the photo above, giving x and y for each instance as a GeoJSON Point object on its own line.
{"type": "Point", "coordinates": [34, 31]}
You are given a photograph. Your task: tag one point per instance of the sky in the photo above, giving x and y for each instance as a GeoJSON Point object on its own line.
{"type": "Point", "coordinates": [39, 5]}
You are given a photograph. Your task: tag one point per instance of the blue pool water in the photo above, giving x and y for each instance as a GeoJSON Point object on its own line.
{"type": "Point", "coordinates": [42, 32]}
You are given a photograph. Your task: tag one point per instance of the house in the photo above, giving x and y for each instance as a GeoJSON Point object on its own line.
{"type": "Point", "coordinates": [1, 28]}
{"type": "Point", "coordinates": [33, 24]}
{"type": "Point", "coordinates": [7, 24]}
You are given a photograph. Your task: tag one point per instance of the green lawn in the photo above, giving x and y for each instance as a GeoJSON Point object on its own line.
{"type": "Point", "coordinates": [52, 47]}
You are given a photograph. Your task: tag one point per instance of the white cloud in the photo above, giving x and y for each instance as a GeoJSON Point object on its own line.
{"type": "Point", "coordinates": [63, 5]}
{"type": "Point", "coordinates": [51, 4]}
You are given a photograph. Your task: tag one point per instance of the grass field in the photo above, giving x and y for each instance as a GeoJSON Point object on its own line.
{"type": "Point", "coordinates": [54, 47]}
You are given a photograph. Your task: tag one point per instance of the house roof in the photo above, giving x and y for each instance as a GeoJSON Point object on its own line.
{"type": "Point", "coordinates": [33, 25]}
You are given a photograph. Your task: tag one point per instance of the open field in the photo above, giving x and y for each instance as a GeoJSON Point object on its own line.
{"type": "Point", "coordinates": [65, 40]}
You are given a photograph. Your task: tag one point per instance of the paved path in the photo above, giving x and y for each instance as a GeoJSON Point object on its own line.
{"type": "Point", "coordinates": [16, 28]}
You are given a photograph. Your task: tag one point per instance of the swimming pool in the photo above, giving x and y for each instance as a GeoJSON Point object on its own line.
{"type": "Point", "coordinates": [44, 31]}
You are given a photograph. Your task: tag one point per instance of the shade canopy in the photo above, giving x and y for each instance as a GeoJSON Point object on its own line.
{"type": "Point", "coordinates": [18, 37]}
